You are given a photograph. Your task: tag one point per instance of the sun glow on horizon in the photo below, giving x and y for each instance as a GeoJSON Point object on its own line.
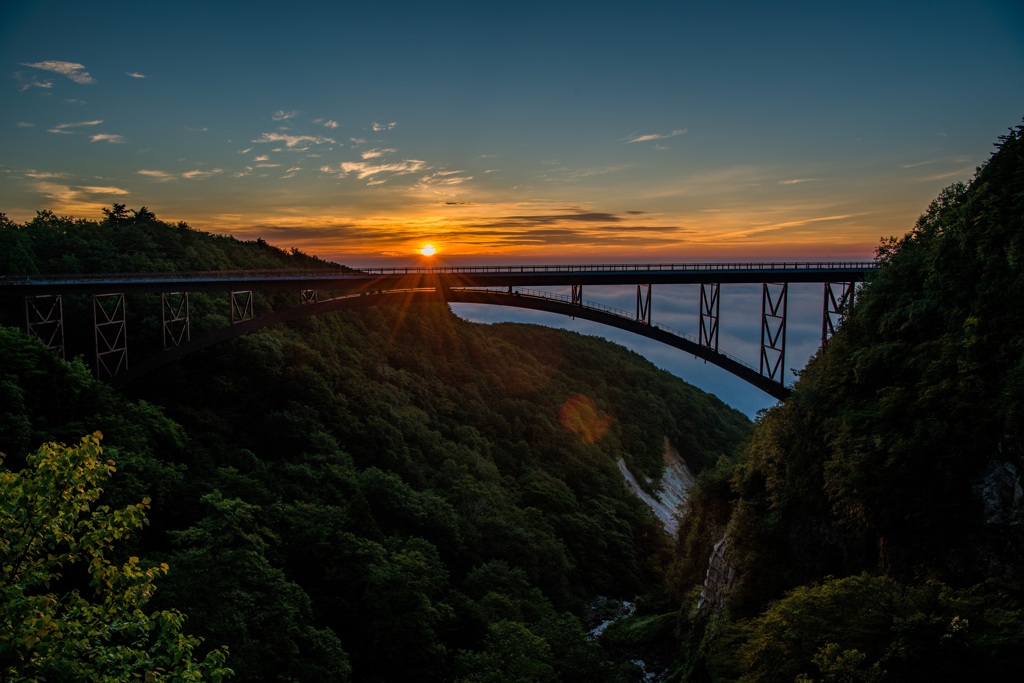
{"type": "Point", "coordinates": [428, 250]}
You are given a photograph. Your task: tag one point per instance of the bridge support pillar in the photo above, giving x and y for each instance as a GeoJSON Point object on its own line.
{"type": "Point", "coordinates": [241, 306]}
{"type": "Point", "coordinates": [577, 295]}
{"type": "Point", "coordinates": [643, 304]}
{"type": "Point", "coordinates": [709, 308]}
{"type": "Point", "coordinates": [174, 311]}
{"type": "Point", "coordinates": [835, 307]}
{"type": "Point", "coordinates": [307, 296]}
{"type": "Point", "coordinates": [44, 319]}
{"type": "Point", "coordinates": [110, 333]}
{"type": "Point", "coordinates": [773, 330]}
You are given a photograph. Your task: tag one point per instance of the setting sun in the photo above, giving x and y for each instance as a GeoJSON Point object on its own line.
{"type": "Point", "coordinates": [428, 250]}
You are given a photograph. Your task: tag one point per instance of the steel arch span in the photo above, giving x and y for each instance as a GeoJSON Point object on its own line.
{"type": "Point", "coordinates": [533, 301]}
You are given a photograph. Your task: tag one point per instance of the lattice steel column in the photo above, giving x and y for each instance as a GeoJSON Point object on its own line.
{"type": "Point", "coordinates": [577, 295]}
{"type": "Point", "coordinates": [773, 331]}
{"type": "Point", "coordinates": [835, 308]}
{"type": "Point", "coordinates": [307, 296]}
{"type": "Point", "coordinates": [174, 310]}
{"type": "Point", "coordinates": [109, 329]}
{"type": "Point", "coordinates": [643, 304]}
{"type": "Point", "coordinates": [709, 308]}
{"type": "Point", "coordinates": [44, 318]}
{"type": "Point", "coordinates": [241, 306]}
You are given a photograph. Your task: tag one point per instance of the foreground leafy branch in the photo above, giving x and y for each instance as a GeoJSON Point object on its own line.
{"type": "Point", "coordinates": [68, 610]}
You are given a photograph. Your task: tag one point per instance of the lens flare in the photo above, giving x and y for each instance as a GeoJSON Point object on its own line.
{"type": "Point", "coordinates": [581, 416]}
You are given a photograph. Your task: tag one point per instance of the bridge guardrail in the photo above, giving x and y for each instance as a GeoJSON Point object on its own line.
{"type": "Point", "coordinates": [172, 276]}
{"type": "Point", "coordinates": [342, 274]}
{"type": "Point", "coordinates": [628, 267]}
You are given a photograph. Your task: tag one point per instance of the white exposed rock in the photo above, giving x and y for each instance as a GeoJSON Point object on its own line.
{"type": "Point", "coordinates": [671, 490]}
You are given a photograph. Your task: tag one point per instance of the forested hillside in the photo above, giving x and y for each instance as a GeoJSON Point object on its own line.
{"type": "Point", "coordinates": [386, 494]}
{"type": "Point", "coordinates": [395, 493]}
{"type": "Point", "coordinates": [872, 528]}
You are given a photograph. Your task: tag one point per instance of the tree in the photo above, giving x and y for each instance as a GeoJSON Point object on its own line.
{"type": "Point", "coordinates": [511, 654]}
{"type": "Point", "coordinates": [118, 214]}
{"type": "Point", "coordinates": [237, 596]}
{"type": "Point", "coordinates": [68, 610]}
{"type": "Point", "coordinates": [870, 628]}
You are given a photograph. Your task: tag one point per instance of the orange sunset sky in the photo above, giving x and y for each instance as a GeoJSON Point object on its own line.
{"type": "Point", "coordinates": [641, 131]}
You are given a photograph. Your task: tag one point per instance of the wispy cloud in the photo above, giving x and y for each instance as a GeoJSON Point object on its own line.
{"type": "Point", "coordinates": [44, 175]}
{"type": "Point", "coordinates": [376, 153]}
{"type": "Point", "coordinates": [135, 74]}
{"type": "Point", "coordinates": [75, 72]}
{"type": "Point", "coordinates": [62, 128]}
{"type": "Point", "coordinates": [364, 170]}
{"type": "Point", "coordinates": [963, 172]}
{"type": "Point", "coordinates": [327, 123]}
{"type": "Point", "coordinates": [192, 175]}
{"type": "Point", "coordinates": [562, 174]}
{"type": "Point", "coordinates": [292, 141]}
{"type": "Point", "coordinates": [797, 181]}
{"type": "Point", "coordinates": [384, 126]}
{"type": "Point", "coordinates": [33, 83]}
{"type": "Point", "coordinates": [163, 176]}
{"type": "Point", "coordinates": [920, 163]}
{"type": "Point", "coordinates": [772, 227]}
{"type": "Point", "coordinates": [570, 216]}
{"type": "Point", "coordinates": [108, 189]}
{"type": "Point", "coordinates": [281, 115]}
{"type": "Point", "coordinates": [444, 178]}
{"type": "Point", "coordinates": [76, 199]}
{"type": "Point", "coordinates": [107, 137]}
{"type": "Point", "coordinates": [649, 137]}
{"type": "Point", "coordinates": [55, 191]}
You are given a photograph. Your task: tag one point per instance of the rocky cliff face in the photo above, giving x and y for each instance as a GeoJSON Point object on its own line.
{"type": "Point", "coordinates": [1001, 492]}
{"type": "Point", "coordinates": [670, 492]}
{"type": "Point", "coordinates": [720, 579]}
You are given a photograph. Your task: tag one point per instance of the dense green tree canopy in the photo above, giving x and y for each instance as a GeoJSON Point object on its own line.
{"type": "Point", "coordinates": [391, 493]}
{"type": "Point", "coordinates": [896, 466]}
{"type": "Point", "coordinates": [70, 610]}
{"type": "Point", "coordinates": [396, 493]}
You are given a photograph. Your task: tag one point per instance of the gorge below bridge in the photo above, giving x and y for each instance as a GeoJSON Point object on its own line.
{"type": "Point", "coordinates": [326, 291]}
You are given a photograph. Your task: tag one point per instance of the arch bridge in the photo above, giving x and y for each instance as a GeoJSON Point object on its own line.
{"type": "Point", "coordinates": [491, 285]}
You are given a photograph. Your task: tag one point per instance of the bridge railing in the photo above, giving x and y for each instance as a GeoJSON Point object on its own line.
{"type": "Point", "coordinates": [630, 267]}
{"type": "Point", "coordinates": [175, 276]}
{"type": "Point", "coordinates": [343, 273]}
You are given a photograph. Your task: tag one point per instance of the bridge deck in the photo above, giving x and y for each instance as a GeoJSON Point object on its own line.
{"type": "Point", "coordinates": [444, 277]}
{"type": "Point", "coordinates": [497, 285]}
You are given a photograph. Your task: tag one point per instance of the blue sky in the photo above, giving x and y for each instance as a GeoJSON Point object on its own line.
{"type": "Point", "coordinates": [554, 131]}
{"type": "Point", "coordinates": [533, 130]}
